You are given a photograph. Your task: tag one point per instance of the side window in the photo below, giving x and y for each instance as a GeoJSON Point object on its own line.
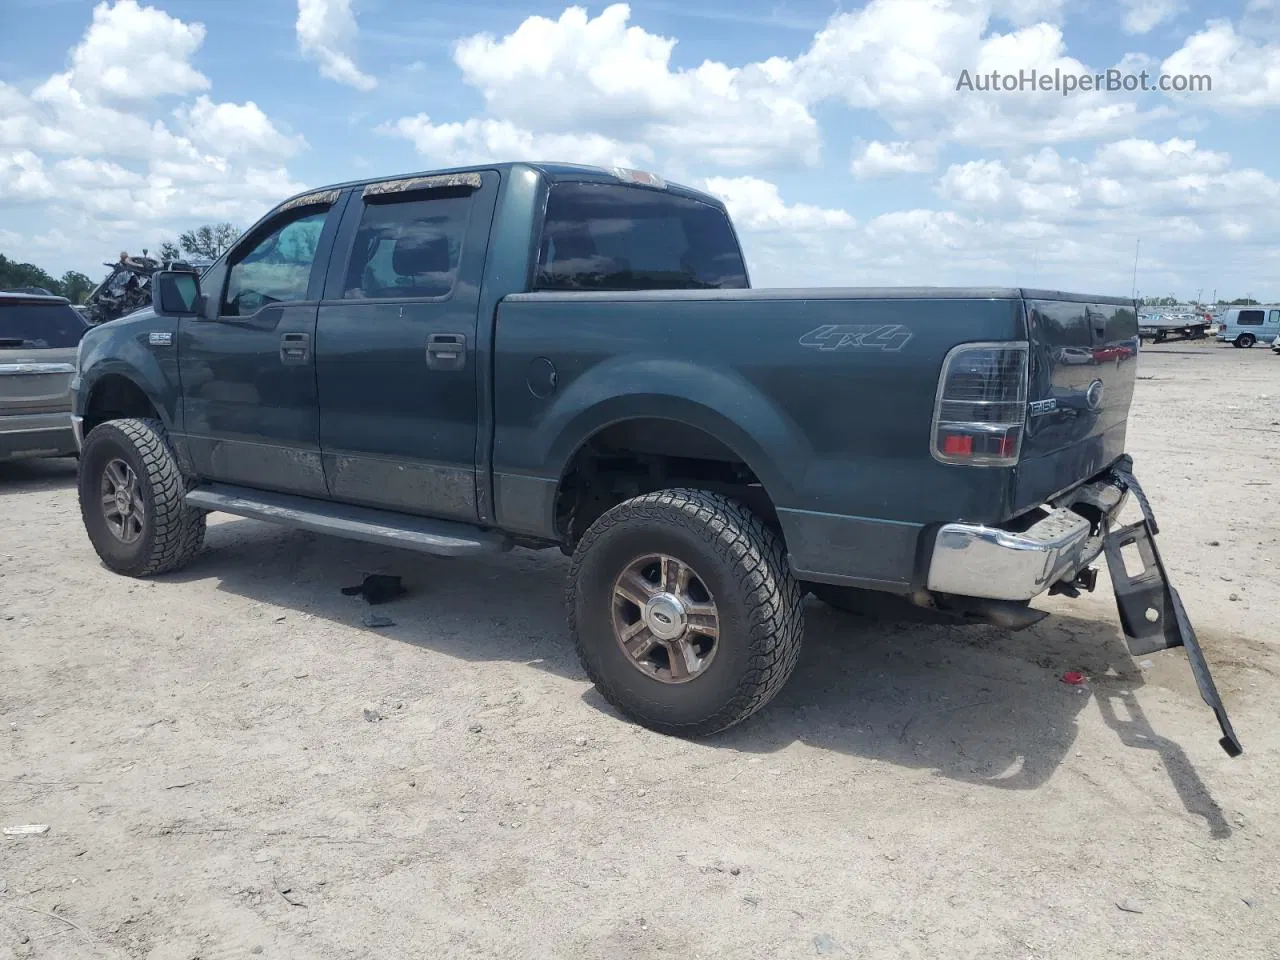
{"type": "Point", "coordinates": [277, 269]}
{"type": "Point", "coordinates": [1250, 318]}
{"type": "Point", "coordinates": [612, 237]}
{"type": "Point", "coordinates": [408, 247]}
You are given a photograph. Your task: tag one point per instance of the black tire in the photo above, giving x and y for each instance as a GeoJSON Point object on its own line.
{"type": "Point", "coordinates": [1246, 340]}
{"type": "Point", "coordinates": [169, 532]}
{"type": "Point", "coordinates": [744, 568]}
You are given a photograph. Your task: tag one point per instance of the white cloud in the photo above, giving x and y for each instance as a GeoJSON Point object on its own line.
{"type": "Point", "coordinates": [23, 177]}
{"type": "Point", "coordinates": [109, 167]}
{"type": "Point", "coordinates": [326, 30]}
{"type": "Point", "coordinates": [757, 205]}
{"type": "Point", "coordinates": [234, 128]}
{"type": "Point", "coordinates": [485, 141]}
{"type": "Point", "coordinates": [1245, 72]}
{"type": "Point", "coordinates": [581, 73]}
{"type": "Point", "coordinates": [876, 159]}
{"type": "Point", "coordinates": [1143, 16]}
{"type": "Point", "coordinates": [131, 52]}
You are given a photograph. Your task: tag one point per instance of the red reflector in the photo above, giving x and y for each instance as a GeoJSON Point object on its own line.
{"type": "Point", "coordinates": [957, 445]}
{"type": "Point", "coordinates": [1006, 446]}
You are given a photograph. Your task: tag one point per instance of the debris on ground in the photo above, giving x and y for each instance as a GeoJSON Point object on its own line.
{"type": "Point", "coordinates": [1132, 906]}
{"type": "Point", "coordinates": [377, 588]}
{"type": "Point", "coordinates": [825, 944]}
{"type": "Point", "coordinates": [27, 830]}
{"type": "Point", "coordinates": [1072, 677]}
{"type": "Point", "coordinates": [376, 621]}
{"type": "Point", "coordinates": [372, 715]}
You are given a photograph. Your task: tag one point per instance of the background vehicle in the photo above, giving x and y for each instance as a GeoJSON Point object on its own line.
{"type": "Point", "coordinates": [546, 355]}
{"type": "Point", "coordinates": [1245, 326]}
{"type": "Point", "coordinates": [1163, 326]}
{"type": "Point", "coordinates": [39, 334]}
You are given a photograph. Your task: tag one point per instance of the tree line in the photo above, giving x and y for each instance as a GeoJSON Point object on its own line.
{"type": "Point", "coordinates": [208, 241]}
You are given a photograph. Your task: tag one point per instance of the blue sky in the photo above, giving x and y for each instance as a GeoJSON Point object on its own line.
{"type": "Point", "coordinates": [835, 133]}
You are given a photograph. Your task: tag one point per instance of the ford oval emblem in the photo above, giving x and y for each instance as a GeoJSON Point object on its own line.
{"type": "Point", "coordinates": [1093, 397]}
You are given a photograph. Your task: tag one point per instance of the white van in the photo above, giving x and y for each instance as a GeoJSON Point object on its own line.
{"type": "Point", "coordinates": [1245, 326]}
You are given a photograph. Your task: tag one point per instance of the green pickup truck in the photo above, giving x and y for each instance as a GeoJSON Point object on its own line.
{"type": "Point", "coordinates": [547, 355]}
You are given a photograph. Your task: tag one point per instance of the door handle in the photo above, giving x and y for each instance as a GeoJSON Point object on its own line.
{"type": "Point", "coordinates": [446, 351]}
{"type": "Point", "coordinates": [295, 348]}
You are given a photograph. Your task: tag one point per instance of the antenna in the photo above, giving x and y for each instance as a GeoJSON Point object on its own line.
{"type": "Point", "coordinates": [1136, 247]}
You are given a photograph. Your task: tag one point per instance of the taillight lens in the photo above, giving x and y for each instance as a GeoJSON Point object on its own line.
{"type": "Point", "coordinates": [981, 408]}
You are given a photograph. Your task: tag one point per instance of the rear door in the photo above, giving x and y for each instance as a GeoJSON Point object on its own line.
{"type": "Point", "coordinates": [1083, 365]}
{"type": "Point", "coordinates": [396, 345]}
{"type": "Point", "coordinates": [38, 340]}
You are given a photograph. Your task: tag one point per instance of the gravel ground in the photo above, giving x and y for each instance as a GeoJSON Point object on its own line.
{"type": "Point", "coordinates": [232, 765]}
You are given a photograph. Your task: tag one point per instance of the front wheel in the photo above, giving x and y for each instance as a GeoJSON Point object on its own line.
{"type": "Point", "coordinates": [684, 611]}
{"type": "Point", "coordinates": [132, 499]}
{"type": "Point", "coordinates": [1246, 340]}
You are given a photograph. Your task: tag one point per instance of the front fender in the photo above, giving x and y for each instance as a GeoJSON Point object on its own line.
{"type": "Point", "coordinates": [142, 348]}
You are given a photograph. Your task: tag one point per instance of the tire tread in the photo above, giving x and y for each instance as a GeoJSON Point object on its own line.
{"type": "Point", "coordinates": [755, 557]}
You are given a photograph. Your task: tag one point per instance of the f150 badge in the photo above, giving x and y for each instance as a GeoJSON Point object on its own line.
{"type": "Point", "coordinates": [160, 339]}
{"type": "Point", "coordinates": [890, 337]}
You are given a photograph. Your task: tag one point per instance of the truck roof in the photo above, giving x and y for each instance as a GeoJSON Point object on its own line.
{"type": "Point", "coordinates": [553, 171]}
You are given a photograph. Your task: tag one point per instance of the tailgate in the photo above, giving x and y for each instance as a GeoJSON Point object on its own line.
{"type": "Point", "coordinates": [35, 381]}
{"type": "Point", "coordinates": [1083, 365]}
{"type": "Point", "coordinates": [38, 340]}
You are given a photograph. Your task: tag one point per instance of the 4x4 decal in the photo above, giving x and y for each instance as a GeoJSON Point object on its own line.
{"type": "Point", "coordinates": [891, 337]}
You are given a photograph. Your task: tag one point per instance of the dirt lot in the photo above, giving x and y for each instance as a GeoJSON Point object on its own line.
{"type": "Point", "coordinates": [200, 749]}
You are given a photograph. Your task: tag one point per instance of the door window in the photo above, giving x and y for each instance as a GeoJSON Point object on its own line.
{"type": "Point", "coordinates": [277, 269]}
{"type": "Point", "coordinates": [1274, 317]}
{"type": "Point", "coordinates": [612, 237]}
{"type": "Point", "coordinates": [408, 247]}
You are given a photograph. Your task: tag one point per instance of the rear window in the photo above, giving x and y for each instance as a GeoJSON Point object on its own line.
{"type": "Point", "coordinates": [600, 236]}
{"type": "Point", "coordinates": [1250, 318]}
{"type": "Point", "coordinates": [40, 325]}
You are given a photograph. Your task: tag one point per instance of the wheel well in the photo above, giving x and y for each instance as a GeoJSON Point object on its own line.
{"type": "Point", "coordinates": [640, 456]}
{"type": "Point", "coordinates": [115, 397]}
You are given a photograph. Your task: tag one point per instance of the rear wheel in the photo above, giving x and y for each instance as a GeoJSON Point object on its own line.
{"type": "Point", "coordinates": [132, 499]}
{"type": "Point", "coordinates": [684, 611]}
{"type": "Point", "coordinates": [1246, 340]}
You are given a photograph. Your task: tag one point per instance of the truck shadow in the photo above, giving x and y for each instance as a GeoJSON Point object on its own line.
{"type": "Point", "coordinates": [22, 476]}
{"type": "Point", "coordinates": [973, 703]}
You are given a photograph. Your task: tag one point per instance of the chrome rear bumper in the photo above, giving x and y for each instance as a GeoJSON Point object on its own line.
{"type": "Point", "coordinates": [972, 560]}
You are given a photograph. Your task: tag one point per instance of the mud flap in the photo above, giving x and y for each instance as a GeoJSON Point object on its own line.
{"type": "Point", "coordinates": [1151, 612]}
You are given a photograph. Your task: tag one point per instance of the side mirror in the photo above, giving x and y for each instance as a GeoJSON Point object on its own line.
{"type": "Point", "coordinates": [175, 293]}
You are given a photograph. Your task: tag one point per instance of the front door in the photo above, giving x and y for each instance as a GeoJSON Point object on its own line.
{"type": "Point", "coordinates": [396, 345]}
{"type": "Point", "coordinates": [250, 413]}
{"type": "Point", "coordinates": [1272, 328]}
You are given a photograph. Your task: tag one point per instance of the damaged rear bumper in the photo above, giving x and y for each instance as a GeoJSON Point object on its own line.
{"type": "Point", "coordinates": [1151, 611]}
{"type": "Point", "coordinates": [1051, 550]}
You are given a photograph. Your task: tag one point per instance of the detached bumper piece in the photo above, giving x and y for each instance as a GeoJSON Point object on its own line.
{"type": "Point", "coordinates": [1151, 612]}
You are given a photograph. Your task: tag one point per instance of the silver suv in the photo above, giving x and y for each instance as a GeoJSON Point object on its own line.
{"type": "Point", "coordinates": [39, 335]}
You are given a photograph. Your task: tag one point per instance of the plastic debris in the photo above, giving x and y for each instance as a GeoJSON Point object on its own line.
{"type": "Point", "coordinates": [1072, 677]}
{"type": "Point", "coordinates": [27, 830]}
{"type": "Point", "coordinates": [377, 588]}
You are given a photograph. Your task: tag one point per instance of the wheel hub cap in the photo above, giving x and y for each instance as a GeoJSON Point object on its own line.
{"type": "Point", "coordinates": [664, 619]}
{"type": "Point", "coordinates": [665, 616]}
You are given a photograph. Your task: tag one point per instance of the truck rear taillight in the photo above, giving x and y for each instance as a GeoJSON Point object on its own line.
{"type": "Point", "coordinates": [981, 408]}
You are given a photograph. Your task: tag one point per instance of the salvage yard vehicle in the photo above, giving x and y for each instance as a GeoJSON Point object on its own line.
{"type": "Point", "coordinates": [1245, 326]}
{"type": "Point", "coordinates": [548, 355]}
{"type": "Point", "coordinates": [39, 334]}
{"type": "Point", "coordinates": [1182, 326]}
